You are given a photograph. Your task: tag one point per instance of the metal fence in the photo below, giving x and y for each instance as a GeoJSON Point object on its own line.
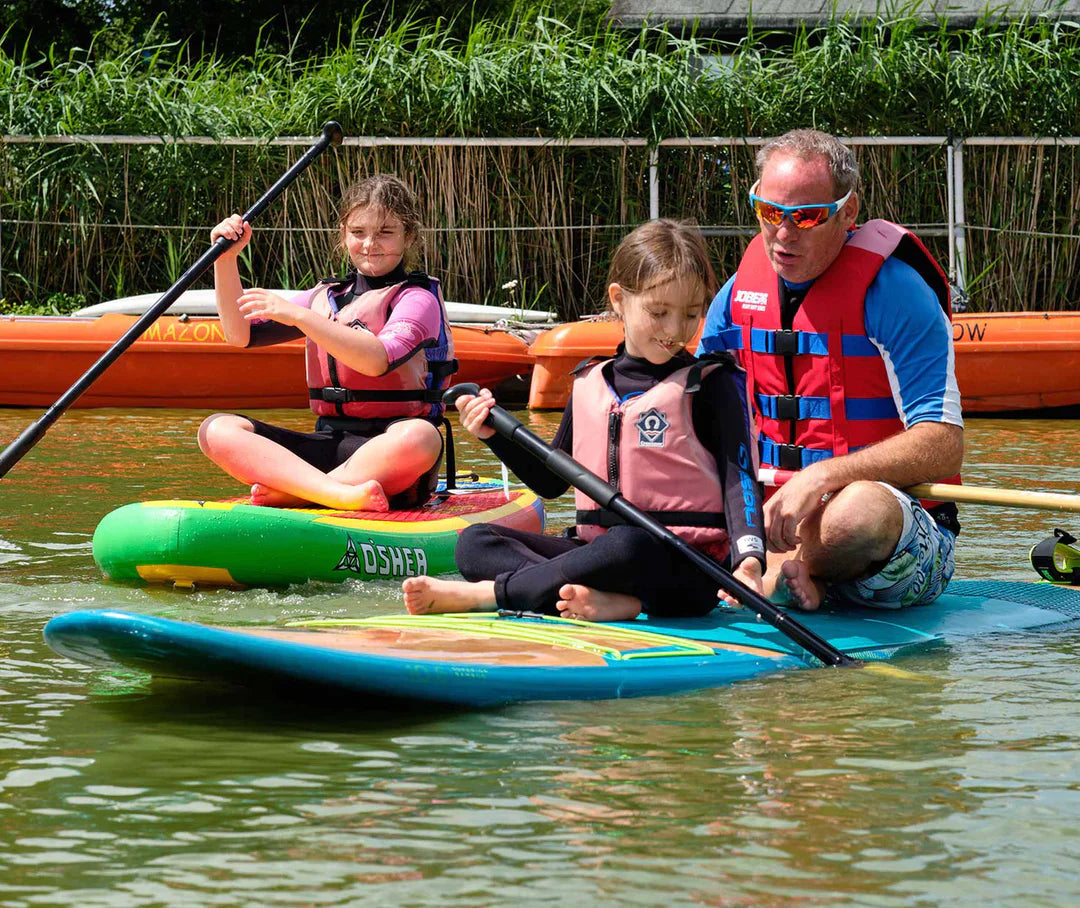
{"type": "Point", "coordinates": [701, 177]}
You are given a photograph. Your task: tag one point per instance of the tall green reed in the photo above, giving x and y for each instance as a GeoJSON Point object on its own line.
{"type": "Point", "coordinates": [102, 220]}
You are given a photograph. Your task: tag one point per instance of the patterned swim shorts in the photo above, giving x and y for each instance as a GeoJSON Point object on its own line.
{"type": "Point", "coordinates": [918, 571]}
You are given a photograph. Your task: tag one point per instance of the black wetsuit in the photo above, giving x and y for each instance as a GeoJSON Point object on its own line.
{"type": "Point", "coordinates": [529, 568]}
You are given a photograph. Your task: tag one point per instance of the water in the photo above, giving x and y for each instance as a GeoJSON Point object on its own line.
{"type": "Point", "coordinates": [812, 788]}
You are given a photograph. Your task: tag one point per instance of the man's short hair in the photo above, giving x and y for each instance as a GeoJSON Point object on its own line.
{"type": "Point", "coordinates": [810, 143]}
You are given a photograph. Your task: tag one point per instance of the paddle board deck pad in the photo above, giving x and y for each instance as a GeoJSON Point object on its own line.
{"type": "Point", "coordinates": [488, 659]}
{"type": "Point", "coordinates": [235, 543]}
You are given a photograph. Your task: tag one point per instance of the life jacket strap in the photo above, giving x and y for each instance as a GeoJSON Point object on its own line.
{"type": "Point", "coordinates": [440, 370]}
{"type": "Point", "coordinates": [347, 396]}
{"type": "Point", "coordinates": [790, 457]}
{"type": "Point", "coordinates": [601, 518]}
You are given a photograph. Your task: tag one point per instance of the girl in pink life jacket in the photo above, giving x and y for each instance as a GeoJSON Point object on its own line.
{"type": "Point", "coordinates": [379, 350]}
{"type": "Point", "coordinates": [671, 432]}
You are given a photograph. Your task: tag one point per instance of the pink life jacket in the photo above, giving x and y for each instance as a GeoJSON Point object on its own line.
{"type": "Point", "coordinates": [409, 387]}
{"type": "Point", "coordinates": [646, 448]}
{"type": "Point", "coordinates": [841, 400]}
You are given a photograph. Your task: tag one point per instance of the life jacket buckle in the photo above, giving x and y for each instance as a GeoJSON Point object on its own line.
{"type": "Point", "coordinates": [790, 456]}
{"type": "Point", "coordinates": [787, 406]}
{"type": "Point", "coordinates": [785, 342]}
{"type": "Point", "coordinates": [335, 395]}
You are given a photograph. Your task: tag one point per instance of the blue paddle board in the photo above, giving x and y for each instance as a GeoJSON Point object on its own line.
{"type": "Point", "coordinates": [487, 659]}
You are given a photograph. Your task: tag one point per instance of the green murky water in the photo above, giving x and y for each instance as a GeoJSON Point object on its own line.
{"type": "Point", "coordinates": [814, 788]}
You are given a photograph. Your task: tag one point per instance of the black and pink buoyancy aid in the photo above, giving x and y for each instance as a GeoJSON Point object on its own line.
{"type": "Point", "coordinates": [411, 387]}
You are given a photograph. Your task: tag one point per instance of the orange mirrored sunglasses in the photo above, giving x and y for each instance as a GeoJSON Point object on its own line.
{"type": "Point", "coordinates": [802, 216]}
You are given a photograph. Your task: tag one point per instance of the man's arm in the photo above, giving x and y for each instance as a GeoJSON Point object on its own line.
{"type": "Point", "coordinates": [717, 320]}
{"type": "Point", "coordinates": [923, 453]}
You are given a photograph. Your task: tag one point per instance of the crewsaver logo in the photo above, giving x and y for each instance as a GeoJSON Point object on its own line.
{"type": "Point", "coordinates": [752, 300]}
{"type": "Point", "coordinates": [652, 426]}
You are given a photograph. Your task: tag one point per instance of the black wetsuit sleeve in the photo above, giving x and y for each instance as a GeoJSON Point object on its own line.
{"type": "Point", "coordinates": [266, 334]}
{"type": "Point", "coordinates": [528, 468]}
{"type": "Point", "coordinates": [722, 423]}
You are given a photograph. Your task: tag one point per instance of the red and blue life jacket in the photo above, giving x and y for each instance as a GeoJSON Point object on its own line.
{"type": "Point", "coordinates": [840, 399]}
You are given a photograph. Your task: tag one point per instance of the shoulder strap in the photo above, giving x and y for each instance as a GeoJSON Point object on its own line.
{"type": "Point", "coordinates": [338, 284]}
{"type": "Point", "coordinates": [588, 361]}
{"type": "Point", "coordinates": [418, 279]}
{"type": "Point", "coordinates": [724, 361]}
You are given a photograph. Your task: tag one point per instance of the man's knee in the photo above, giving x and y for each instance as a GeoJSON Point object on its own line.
{"type": "Point", "coordinates": [863, 517]}
{"type": "Point", "coordinates": [471, 553]}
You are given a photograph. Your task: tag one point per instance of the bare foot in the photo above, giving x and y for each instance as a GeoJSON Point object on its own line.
{"type": "Point", "coordinates": [368, 496]}
{"type": "Point", "coordinates": [807, 592]}
{"type": "Point", "coordinates": [585, 603]}
{"type": "Point", "coordinates": [429, 595]}
{"type": "Point", "coordinates": [269, 497]}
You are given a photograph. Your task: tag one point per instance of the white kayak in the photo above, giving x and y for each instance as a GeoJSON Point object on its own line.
{"type": "Point", "coordinates": [201, 302]}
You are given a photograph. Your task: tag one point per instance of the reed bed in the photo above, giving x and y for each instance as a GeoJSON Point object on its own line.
{"type": "Point", "coordinates": [110, 220]}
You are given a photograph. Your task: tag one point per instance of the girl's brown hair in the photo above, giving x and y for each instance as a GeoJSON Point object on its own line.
{"type": "Point", "coordinates": [661, 251]}
{"type": "Point", "coordinates": [386, 193]}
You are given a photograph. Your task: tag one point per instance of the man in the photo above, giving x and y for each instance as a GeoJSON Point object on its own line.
{"type": "Point", "coordinates": [845, 337]}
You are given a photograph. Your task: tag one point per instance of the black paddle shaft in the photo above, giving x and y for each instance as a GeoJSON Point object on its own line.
{"type": "Point", "coordinates": [565, 467]}
{"type": "Point", "coordinates": [13, 453]}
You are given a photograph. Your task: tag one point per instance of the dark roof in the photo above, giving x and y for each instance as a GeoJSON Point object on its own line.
{"type": "Point", "coordinates": [730, 16]}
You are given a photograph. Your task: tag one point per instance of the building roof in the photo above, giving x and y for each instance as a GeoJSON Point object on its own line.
{"type": "Point", "coordinates": [731, 16]}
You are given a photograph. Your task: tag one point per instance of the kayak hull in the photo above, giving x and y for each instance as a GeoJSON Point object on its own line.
{"type": "Point", "coordinates": [486, 660]}
{"type": "Point", "coordinates": [235, 543]}
{"type": "Point", "coordinates": [1006, 362]}
{"type": "Point", "coordinates": [185, 362]}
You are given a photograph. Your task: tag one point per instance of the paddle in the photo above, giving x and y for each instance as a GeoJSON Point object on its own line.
{"type": "Point", "coordinates": [565, 467]}
{"type": "Point", "coordinates": [944, 491]}
{"type": "Point", "coordinates": [331, 135]}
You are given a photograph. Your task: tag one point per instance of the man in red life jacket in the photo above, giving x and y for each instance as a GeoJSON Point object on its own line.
{"type": "Point", "coordinates": [844, 333]}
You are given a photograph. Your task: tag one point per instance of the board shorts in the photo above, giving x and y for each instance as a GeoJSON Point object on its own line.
{"type": "Point", "coordinates": [335, 440]}
{"type": "Point", "coordinates": [918, 571]}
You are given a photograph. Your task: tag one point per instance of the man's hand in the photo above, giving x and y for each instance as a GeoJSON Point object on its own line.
{"type": "Point", "coordinates": [792, 503]}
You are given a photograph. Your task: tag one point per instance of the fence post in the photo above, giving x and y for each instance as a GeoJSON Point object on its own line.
{"type": "Point", "coordinates": [654, 183]}
{"type": "Point", "coordinates": [950, 205]}
{"type": "Point", "coordinates": [958, 227]}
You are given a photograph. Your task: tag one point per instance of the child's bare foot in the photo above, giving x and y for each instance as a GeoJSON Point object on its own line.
{"type": "Point", "coordinates": [368, 496]}
{"type": "Point", "coordinates": [807, 592]}
{"type": "Point", "coordinates": [583, 602]}
{"type": "Point", "coordinates": [429, 595]}
{"type": "Point", "coordinates": [269, 497]}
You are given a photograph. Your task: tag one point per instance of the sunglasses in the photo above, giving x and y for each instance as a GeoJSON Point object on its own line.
{"type": "Point", "coordinates": [802, 216]}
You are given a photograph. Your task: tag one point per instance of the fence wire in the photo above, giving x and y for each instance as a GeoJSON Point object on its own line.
{"type": "Point", "coordinates": [106, 216]}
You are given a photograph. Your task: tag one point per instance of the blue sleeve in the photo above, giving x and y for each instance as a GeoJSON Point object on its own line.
{"type": "Point", "coordinates": [906, 323]}
{"type": "Point", "coordinates": [717, 320]}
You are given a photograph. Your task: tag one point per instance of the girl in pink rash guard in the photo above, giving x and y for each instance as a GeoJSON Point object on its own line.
{"type": "Point", "coordinates": [379, 351]}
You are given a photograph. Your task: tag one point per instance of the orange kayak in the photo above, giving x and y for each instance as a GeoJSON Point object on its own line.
{"type": "Point", "coordinates": [185, 362]}
{"type": "Point", "coordinates": [1017, 361]}
{"type": "Point", "coordinates": [1005, 361]}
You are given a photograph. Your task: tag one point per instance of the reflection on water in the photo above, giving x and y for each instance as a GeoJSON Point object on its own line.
{"type": "Point", "coordinates": [814, 788]}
